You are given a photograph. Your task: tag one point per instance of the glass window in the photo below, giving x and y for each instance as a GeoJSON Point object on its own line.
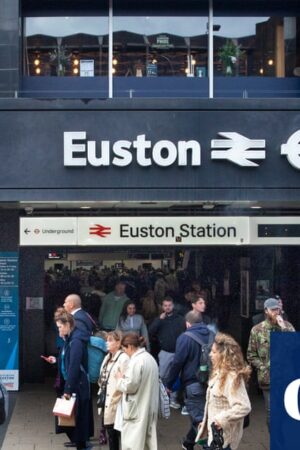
{"type": "Point", "coordinates": [66, 46]}
{"type": "Point", "coordinates": [256, 46]}
{"type": "Point", "coordinates": [160, 46]}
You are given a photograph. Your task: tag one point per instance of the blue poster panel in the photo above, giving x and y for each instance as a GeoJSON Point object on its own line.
{"type": "Point", "coordinates": [285, 388]}
{"type": "Point", "coordinates": [9, 320]}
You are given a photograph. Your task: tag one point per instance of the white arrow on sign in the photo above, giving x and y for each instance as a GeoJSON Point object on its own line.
{"type": "Point", "coordinates": [238, 149]}
{"type": "Point", "coordinates": [292, 149]}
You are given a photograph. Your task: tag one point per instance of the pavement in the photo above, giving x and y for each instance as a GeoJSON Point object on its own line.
{"type": "Point", "coordinates": [31, 425]}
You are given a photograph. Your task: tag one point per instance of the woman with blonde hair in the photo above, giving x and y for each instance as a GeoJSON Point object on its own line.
{"type": "Point", "coordinates": [116, 361]}
{"type": "Point", "coordinates": [227, 401]}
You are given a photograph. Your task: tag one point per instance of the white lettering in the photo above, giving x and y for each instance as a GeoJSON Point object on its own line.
{"type": "Point", "coordinates": [70, 148]}
{"type": "Point", "coordinates": [171, 153]}
{"type": "Point", "coordinates": [183, 147]}
{"type": "Point", "coordinates": [102, 160]}
{"type": "Point", "coordinates": [123, 155]}
{"type": "Point", "coordinates": [291, 399]}
{"type": "Point", "coordinates": [141, 145]}
{"type": "Point", "coordinates": [164, 152]}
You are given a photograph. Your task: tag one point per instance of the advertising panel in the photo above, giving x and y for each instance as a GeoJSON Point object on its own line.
{"type": "Point", "coordinates": [285, 386]}
{"type": "Point", "coordinates": [9, 320]}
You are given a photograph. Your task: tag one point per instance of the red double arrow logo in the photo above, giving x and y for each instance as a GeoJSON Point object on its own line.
{"type": "Point", "coordinates": [100, 230]}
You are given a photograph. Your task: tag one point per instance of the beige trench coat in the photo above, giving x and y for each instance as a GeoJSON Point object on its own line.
{"type": "Point", "coordinates": [118, 363]}
{"type": "Point", "coordinates": [140, 389]}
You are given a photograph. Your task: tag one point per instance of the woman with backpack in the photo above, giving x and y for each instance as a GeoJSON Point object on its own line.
{"type": "Point", "coordinates": [227, 401]}
{"type": "Point", "coordinates": [108, 397]}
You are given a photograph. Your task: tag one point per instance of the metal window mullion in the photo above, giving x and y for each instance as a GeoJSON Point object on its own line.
{"type": "Point", "coordinates": [210, 51]}
{"type": "Point", "coordinates": [110, 49]}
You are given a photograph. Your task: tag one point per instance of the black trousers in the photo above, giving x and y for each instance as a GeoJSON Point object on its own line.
{"type": "Point", "coordinates": [113, 437]}
{"type": "Point", "coordinates": [79, 445]}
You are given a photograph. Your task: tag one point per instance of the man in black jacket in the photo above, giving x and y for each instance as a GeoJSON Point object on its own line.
{"type": "Point", "coordinates": [166, 328]}
{"type": "Point", "coordinates": [186, 363]}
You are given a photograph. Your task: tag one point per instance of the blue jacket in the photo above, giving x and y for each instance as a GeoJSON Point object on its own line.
{"type": "Point", "coordinates": [83, 322]}
{"type": "Point", "coordinates": [187, 356]}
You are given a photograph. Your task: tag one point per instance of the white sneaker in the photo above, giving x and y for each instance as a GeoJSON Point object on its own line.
{"type": "Point", "coordinates": [184, 411]}
{"type": "Point", "coordinates": [174, 405]}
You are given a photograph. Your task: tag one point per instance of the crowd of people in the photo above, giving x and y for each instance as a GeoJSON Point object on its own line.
{"type": "Point", "coordinates": [156, 338]}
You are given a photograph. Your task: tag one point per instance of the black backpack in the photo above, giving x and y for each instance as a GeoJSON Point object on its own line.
{"type": "Point", "coordinates": [203, 371]}
{"type": "Point", "coordinates": [3, 404]}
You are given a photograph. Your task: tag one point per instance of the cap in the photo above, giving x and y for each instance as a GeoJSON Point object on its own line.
{"type": "Point", "coordinates": [271, 303]}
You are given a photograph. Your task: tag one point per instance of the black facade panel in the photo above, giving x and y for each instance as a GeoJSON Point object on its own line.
{"type": "Point", "coordinates": [157, 7]}
{"type": "Point", "coordinates": [32, 146]}
{"type": "Point", "coordinates": [9, 48]}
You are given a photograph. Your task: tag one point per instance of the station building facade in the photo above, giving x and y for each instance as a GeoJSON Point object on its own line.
{"type": "Point", "coordinates": [175, 125]}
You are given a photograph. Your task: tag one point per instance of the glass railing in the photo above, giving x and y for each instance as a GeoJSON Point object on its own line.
{"type": "Point", "coordinates": [165, 87]}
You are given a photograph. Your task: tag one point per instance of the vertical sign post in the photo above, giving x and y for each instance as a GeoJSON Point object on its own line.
{"type": "Point", "coordinates": [9, 320]}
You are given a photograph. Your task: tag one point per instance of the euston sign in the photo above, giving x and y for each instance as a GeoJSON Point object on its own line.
{"type": "Point", "coordinates": [233, 147]}
{"type": "Point", "coordinates": [105, 231]}
{"type": "Point", "coordinates": [173, 231]}
{"type": "Point", "coordinates": [163, 231]}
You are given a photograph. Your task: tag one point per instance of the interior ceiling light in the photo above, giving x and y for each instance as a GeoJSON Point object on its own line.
{"type": "Point", "coordinates": [85, 207]}
{"type": "Point", "coordinates": [255, 207]}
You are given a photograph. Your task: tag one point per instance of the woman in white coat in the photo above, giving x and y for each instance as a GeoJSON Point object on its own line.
{"type": "Point", "coordinates": [140, 387]}
{"type": "Point", "coordinates": [115, 361]}
{"type": "Point", "coordinates": [227, 401]}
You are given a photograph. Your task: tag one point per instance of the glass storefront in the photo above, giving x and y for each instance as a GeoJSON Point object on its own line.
{"type": "Point", "coordinates": [66, 46]}
{"type": "Point", "coordinates": [160, 46]}
{"type": "Point", "coordinates": [256, 46]}
{"type": "Point", "coordinates": [259, 53]}
{"type": "Point", "coordinates": [143, 46]}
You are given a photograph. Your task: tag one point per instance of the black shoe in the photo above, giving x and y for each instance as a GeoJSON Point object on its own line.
{"type": "Point", "coordinates": [69, 444]}
{"type": "Point", "coordinates": [187, 446]}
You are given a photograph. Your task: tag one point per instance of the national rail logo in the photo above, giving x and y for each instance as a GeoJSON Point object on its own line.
{"type": "Point", "coordinates": [100, 230]}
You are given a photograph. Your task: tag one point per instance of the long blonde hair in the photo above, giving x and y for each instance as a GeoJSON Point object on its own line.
{"type": "Point", "coordinates": [231, 360]}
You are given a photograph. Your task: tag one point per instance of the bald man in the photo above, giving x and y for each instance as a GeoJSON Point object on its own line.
{"type": "Point", "coordinates": [82, 320]}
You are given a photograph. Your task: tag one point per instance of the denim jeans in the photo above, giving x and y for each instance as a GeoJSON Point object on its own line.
{"type": "Point", "coordinates": [195, 401]}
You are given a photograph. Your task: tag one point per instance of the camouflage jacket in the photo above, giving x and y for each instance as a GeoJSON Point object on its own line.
{"type": "Point", "coordinates": [258, 353]}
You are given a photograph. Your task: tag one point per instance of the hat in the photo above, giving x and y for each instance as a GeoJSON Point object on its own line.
{"type": "Point", "coordinates": [271, 303]}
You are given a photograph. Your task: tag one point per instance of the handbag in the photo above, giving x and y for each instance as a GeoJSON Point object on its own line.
{"type": "Point", "coordinates": [164, 402]}
{"type": "Point", "coordinates": [218, 440]}
{"type": "Point", "coordinates": [64, 407]}
{"type": "Point", "coordinates": [102, 394]}
{"type": "Point", "coordinates": [101, 397]}
{"type": "Point", "coordinates": [67, 421]}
